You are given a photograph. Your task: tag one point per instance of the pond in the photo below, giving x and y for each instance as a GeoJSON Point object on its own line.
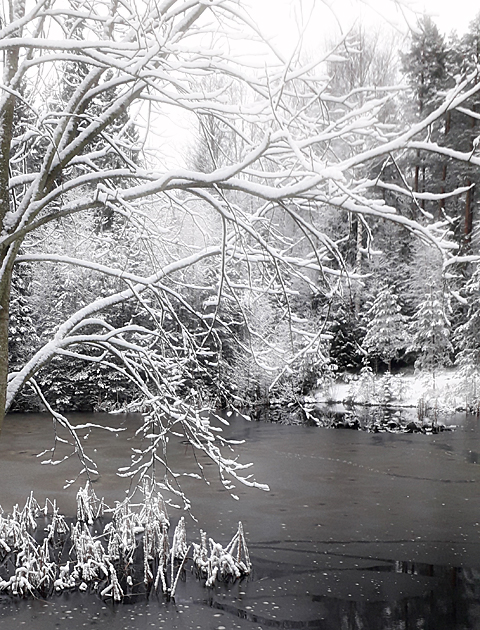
{"type": "Point", "coordinates": [359, 530]}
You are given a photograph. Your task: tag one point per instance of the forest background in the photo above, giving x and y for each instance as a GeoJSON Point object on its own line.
{"type": "Point", "coordinates": [396, 306]}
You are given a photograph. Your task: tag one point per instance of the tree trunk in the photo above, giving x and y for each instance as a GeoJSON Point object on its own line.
{"type": "Point", "coordinates": [448, 122]}
{"type": "Point", "coordinates": [417, 173]}
{"type": "Point", "coordinates": [7, 107]}
{"type": "Point", "coordinates": [416, 185]}
{"type": "Point", "coordinates": [422, 203]}
{"type": "Point", "coordinates": [470, 192]}
{"type": "Point", "coordinates": [358, 265]}
{"type": "Point", "coordinates": [468, 212]}
{"type": "Point", "coordinates": [4, 304]}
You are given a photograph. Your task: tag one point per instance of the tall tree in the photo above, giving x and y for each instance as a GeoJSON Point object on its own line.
{"type": "Point", "coordinates": [425, 66]}
{"type": "Point", "coordinates": [431, 335]}
{"type": "Point", "coordinates": [369, 62]}
{"type": "Point", "coordinates": [467, 337]}
{"type": "Point", "coordinates": [467, 129]}
{"type": "Point", "coordinates": [387, 332]}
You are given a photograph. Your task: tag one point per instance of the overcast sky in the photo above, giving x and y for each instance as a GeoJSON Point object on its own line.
{"type": "Point", "coordinates": [278, 18]}
{"type": "Point", "coordinates": [452, 14]}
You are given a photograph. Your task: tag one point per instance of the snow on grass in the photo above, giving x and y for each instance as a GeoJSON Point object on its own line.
{"type": "Point", "coordinates": [130, 555]}
{"type": "Point", "coordinates": [446, 389]}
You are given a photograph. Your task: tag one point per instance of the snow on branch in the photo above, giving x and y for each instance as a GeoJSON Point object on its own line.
{"type": "Point", "coordinates": [170, 270]}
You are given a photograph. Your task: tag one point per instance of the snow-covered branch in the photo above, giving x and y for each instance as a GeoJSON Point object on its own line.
{"type": "Point", "coordinates": [162, 270]}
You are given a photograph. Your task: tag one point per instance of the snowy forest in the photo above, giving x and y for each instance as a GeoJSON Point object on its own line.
{"type": "Point", "coordinates": [324, 219]}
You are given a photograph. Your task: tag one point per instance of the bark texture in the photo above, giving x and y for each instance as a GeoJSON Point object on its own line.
{"type": "Point", "coordinates": [7, 106]}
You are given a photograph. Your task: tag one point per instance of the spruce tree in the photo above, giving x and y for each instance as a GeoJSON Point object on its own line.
{"type": "Point", "coordinates": [432, 67]}
{"type": "Point", "coordinates": [425, 65]}
{"type": "Point", "coordinates": [345, 346]}
{"type": "Point", "coordinates": [467, 337]}
{"type": "Point", "coordinates": [387, 332]}
{"type": "Point", "coordinates": [424, 272]}
{"type": "Point", "coordinates": [431, 335]}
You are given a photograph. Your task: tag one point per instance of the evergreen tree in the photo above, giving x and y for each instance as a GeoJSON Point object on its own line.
{"type": "Point", "coordinates": [432, 67]}
{"type": "Point", "coordinates": [467, 337]}
{"type": "Point", "coordinates": [23, 339]}
{"type": "Point", "coordinates": [387, 332]}
{"type": "Point", "coordinates": [425, 66]}
{"type": "Point", "coordinates": [116, 146]}
{"type": "Point", "coordinates": [390, 259]}
{"type": "Point", "coordinates": [431, 335]}
{"type": "Point", "coordinates": [464, 130]}
{"type": "Point", "coordinates": [370, 60]}
{"type": "Point", "coordinates": [345, 346]}
{"type": "Point", "coordinates": [423, 273]}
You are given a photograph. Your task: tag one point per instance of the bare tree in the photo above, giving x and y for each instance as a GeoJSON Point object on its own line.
{"type": "Point", "coordinates": [147, 60]}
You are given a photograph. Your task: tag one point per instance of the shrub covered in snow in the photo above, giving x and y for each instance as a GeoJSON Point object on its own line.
{"type": "Point", "coordinates": [131, 554]}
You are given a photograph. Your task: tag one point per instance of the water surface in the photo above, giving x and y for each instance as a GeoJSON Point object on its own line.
{"type": "Point", "coordinates": [359, 530]}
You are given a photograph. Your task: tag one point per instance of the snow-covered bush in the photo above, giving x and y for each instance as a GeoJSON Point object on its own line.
{"type": "Point", "coordinates": [215, 563]}
{"type": "Point", "coordinates": [129, 553]}
{"type": "Point", "coordinates": [370, 389]}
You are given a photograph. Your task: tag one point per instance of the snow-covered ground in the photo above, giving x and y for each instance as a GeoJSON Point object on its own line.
{"type": "Point", "coordinates": [445, 390]}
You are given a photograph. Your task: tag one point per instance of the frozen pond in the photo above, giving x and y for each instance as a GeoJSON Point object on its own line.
{"type": "Point", "coordinates": [359, 530]}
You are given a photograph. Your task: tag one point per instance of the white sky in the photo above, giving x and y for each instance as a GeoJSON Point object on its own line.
{"type": "Point", "coordinates": [452, 14]}
{"type": "Point", "coordinates": [279, 20]}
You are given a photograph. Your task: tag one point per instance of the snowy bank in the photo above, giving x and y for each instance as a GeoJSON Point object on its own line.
{"type": "Point", "coordinates": [448, 389]}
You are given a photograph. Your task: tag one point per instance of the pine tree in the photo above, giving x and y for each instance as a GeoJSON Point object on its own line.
{"type": "Point", "coordinates": [370, 59]}
{"type": "Point", "coordinates": [431, 335]}
{"type": "Point", "coordinates": [118, 140]}
{"type": "Point", "coordinates": [433, 66]}
{"type": "Point", "coordinates": [387, 332]}
{"type": "Point", "coordinates": [425, 66]}
{"type": "Point", "coordinates": [23, 339]}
